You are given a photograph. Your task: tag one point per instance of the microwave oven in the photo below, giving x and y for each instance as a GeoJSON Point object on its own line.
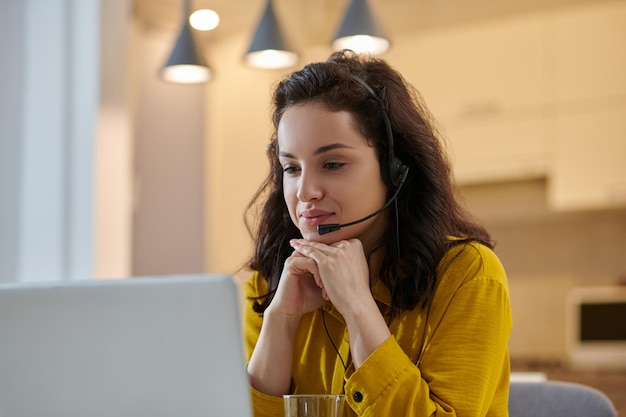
{"type": "Point", "coordinates": [596, 327]}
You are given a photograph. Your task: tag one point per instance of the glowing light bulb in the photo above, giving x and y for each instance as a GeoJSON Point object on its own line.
{"type": "Point", "coordinates": [204, 19]}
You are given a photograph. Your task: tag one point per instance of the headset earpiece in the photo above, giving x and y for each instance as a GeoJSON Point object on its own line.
{"type": "Point", "coordinates": [395, 171]}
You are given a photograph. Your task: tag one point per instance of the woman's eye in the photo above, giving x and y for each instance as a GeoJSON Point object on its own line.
{"type": "Point", "coordinates": [334, 165]}
{"type": "Point", "coordinates": [289, 169]}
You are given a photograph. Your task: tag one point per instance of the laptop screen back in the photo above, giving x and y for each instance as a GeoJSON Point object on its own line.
{"type": "Point", "coordinates": [162, 346]}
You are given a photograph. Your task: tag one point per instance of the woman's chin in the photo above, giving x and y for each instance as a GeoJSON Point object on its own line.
{"type": "Point", "coordinates": [329, 238]}
{"type": "Point", "coordinates": [314, 236]}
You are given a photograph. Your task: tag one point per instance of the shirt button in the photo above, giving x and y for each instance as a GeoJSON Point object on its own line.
{"type": "Point", "coordinates": [358, 397]}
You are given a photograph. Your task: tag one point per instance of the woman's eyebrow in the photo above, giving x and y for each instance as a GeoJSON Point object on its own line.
{"type": "Point", "coordinates": [331, 147]}
{"type": "Point", "coordinates": [319, 151]}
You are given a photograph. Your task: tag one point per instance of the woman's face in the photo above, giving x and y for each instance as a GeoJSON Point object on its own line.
{"type": "Point", "coordinates": [330, 174]}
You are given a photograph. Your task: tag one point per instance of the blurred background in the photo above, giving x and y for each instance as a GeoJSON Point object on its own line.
{"type": "Point", "coordinates": [109, 171]}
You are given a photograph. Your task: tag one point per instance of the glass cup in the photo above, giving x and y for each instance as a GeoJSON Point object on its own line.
{"type": "Point", "coordinates": [314, 405]}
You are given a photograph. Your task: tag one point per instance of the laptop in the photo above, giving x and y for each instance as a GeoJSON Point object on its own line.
{"type": "Point", "coordinates": [152, 346]}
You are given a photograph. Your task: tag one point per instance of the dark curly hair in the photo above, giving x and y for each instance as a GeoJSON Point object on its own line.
{"type": "Point", "coordinates": [429, 213]}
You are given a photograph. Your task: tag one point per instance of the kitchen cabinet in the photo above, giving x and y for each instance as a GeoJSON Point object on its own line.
{"type": "Point", "coordinates": [589, 59]}
{"type": "Point", "coordinates": [486, 86]}
{"type": "Point", "coordinates": [589, 168]}
{"type": "Point", "coordinates": [514, 96]}
{"type": "Point", "coordinates": [499, 148]}
{"type": "Point", "coordinates": [589, 87]}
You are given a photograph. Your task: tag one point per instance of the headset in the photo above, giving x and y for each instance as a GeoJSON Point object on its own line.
{"type": "Point", "coordinates": [393, 170]}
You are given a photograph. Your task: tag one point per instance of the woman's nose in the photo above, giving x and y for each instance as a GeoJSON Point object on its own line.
{"type": "Point", "coordinates": [309, 187]}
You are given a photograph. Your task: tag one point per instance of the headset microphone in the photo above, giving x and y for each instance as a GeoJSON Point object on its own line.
{"type": "Point", "coordinates": [322, 229]}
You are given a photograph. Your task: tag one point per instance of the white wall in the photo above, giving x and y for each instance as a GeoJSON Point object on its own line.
{"type": "Point", "coordinates": [169, 157]}
{"type": "Point", "coordinates": [114, 145]}
{"type": "Point", "coordinates": [49, 136]}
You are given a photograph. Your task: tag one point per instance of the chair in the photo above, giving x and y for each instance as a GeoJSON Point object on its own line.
{"type": "Point", "coordinates": [558, 399]}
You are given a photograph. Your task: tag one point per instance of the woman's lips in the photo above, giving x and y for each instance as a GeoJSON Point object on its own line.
{"type": "Point", "coordinates": [314, 219]}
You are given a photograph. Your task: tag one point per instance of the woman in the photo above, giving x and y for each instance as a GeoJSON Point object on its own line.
{"type": "Point", "coordinates": [403, 306]}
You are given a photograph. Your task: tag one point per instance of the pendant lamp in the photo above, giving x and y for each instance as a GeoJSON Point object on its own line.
{"type": "Point", "coordinates": [268, 49]}
{"type": "Point", "coordinates": [359, 31]}
{"type": "Point", "coordinates": [185, 65]}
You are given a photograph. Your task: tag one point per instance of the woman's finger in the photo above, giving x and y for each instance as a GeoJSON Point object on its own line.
{"type": "Point", "coordinates": [299, 265]}
{"type": "Point", "coordinates": [314, 249]}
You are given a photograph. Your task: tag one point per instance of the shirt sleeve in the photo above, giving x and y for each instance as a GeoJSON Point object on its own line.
{"type": "Point", "coordinates": [264, 405]}
{"type": "Point", "coordinates": [252, 320]}
{"type": "Point", "coordinates": [462, 371]}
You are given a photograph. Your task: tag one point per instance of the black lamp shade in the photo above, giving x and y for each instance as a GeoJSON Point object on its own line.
{"type": "Point", "coordinates": [360, 31]}
{"type": "Point", "coordinates": [185, 65]}
{"type": "Point", "coordinates": [268, 49]}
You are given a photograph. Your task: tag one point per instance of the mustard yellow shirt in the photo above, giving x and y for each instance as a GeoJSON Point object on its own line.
{"type": "Point", "coordinates": [450, 361]}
